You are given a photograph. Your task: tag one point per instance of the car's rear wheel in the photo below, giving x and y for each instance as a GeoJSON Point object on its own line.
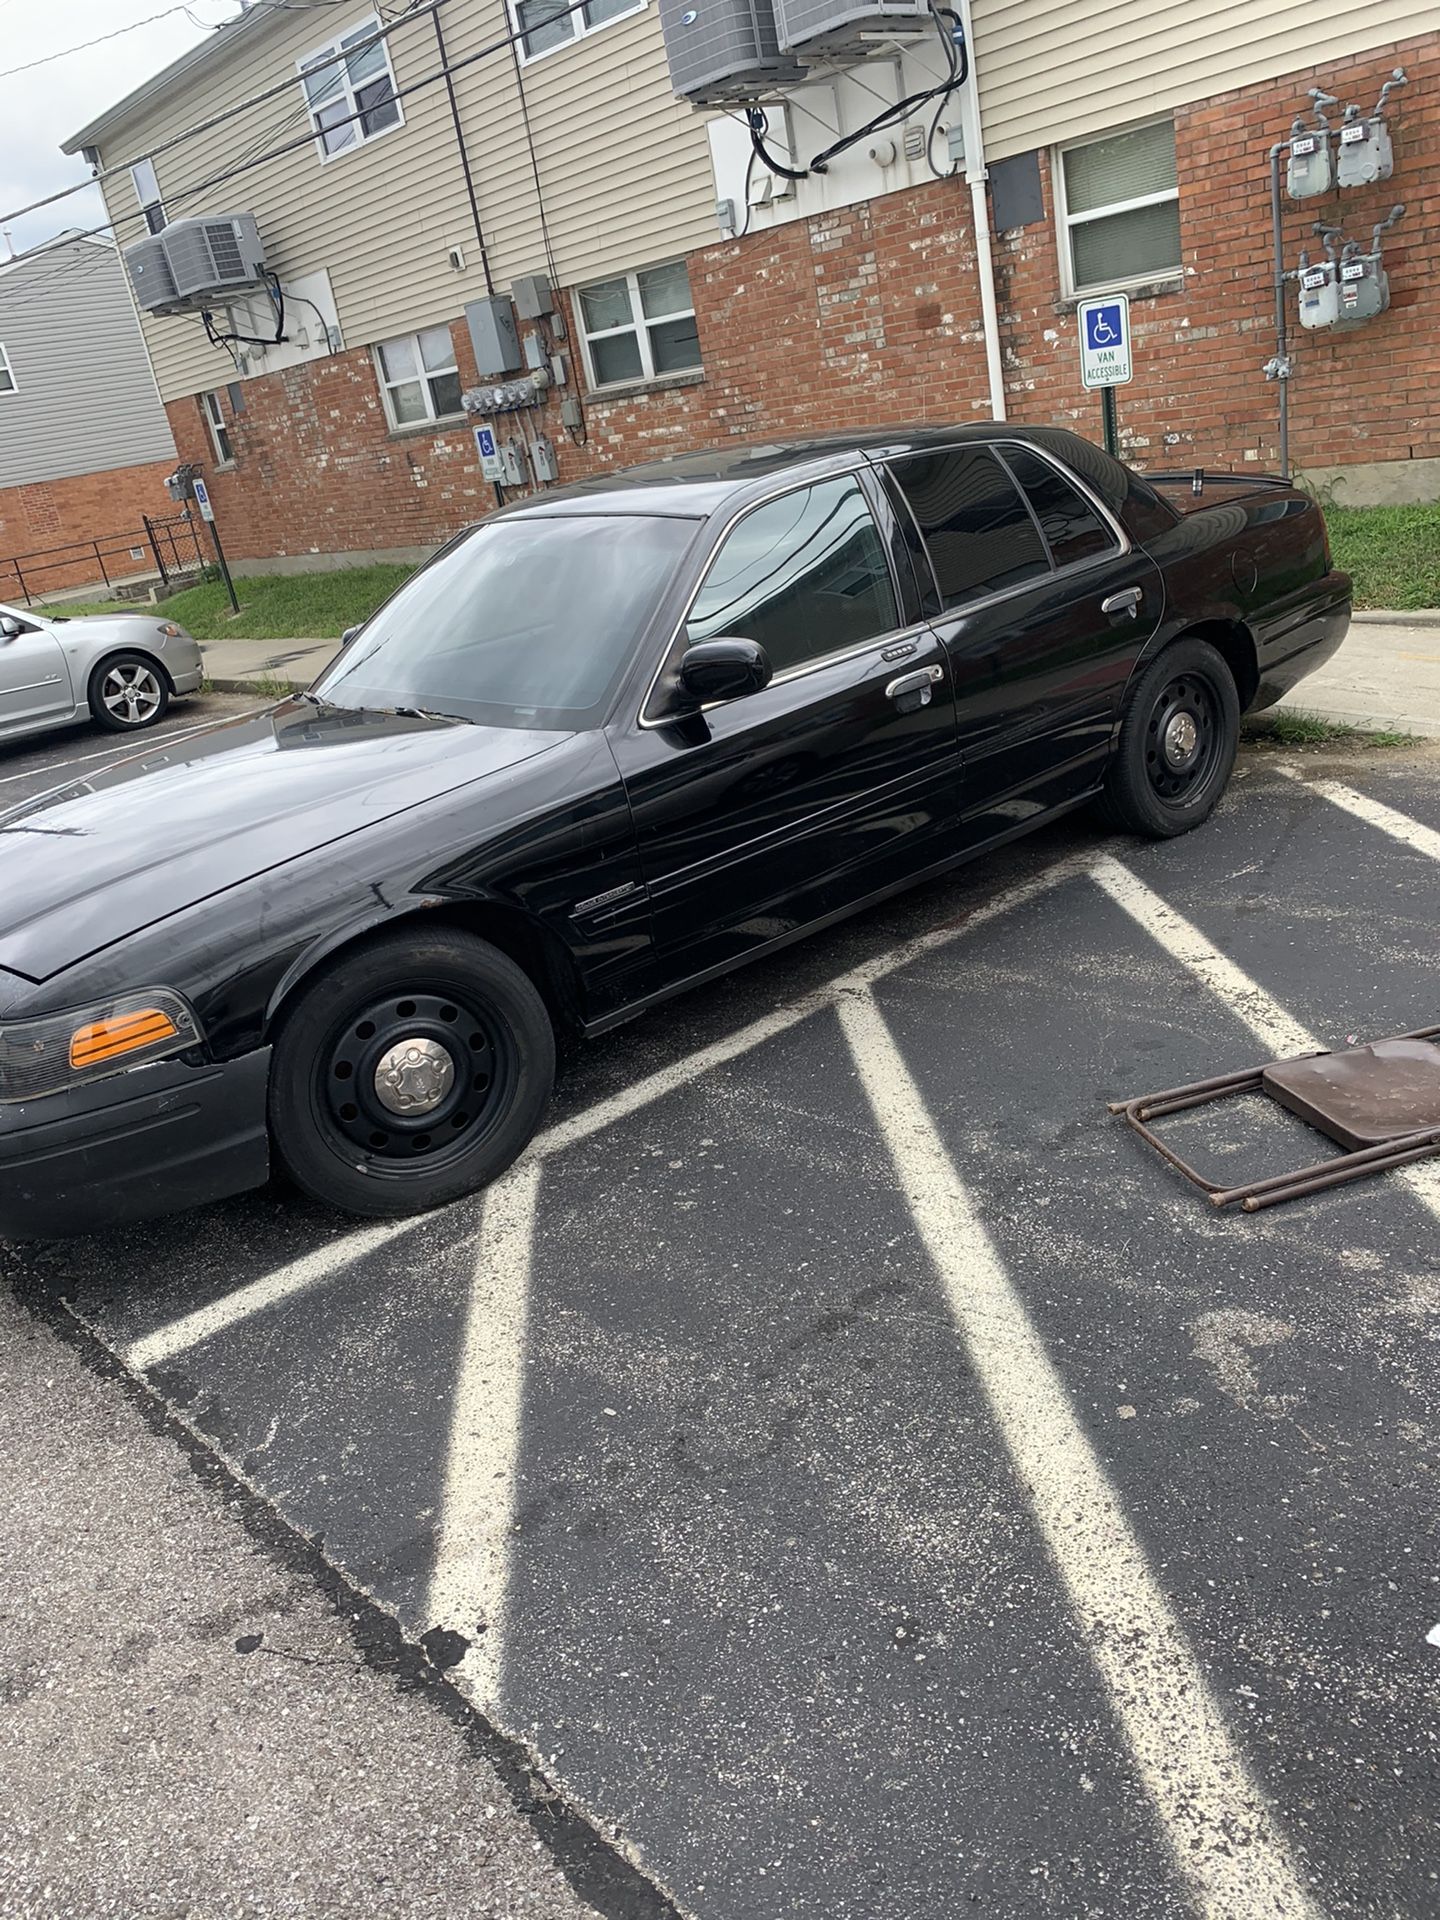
{"type": "Point", "coordinates": [1177, 743]}
{"type": "Point", "coordinates": [409, 1073]}
{"type": "Point", "coordinates": [128, 692]}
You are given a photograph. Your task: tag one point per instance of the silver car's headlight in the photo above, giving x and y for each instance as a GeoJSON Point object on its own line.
{"type": "Point", "coordinates": [67, 1049]}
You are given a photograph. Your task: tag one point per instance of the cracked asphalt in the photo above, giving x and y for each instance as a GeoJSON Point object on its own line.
{"type": "Point", "coordinates": [788, 1602]}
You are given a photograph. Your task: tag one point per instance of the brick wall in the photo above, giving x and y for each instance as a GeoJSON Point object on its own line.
{"type": "Point", "coordinates": [1199, 395]}
{"type": "Point", "coordinates": [871, 315]}
{"type": "Point", "coordinates": [86, 506]}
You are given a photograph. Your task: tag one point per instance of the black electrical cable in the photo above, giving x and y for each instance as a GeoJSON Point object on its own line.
{"type": "Point", "coordinates": [277, 294]}
{"type": "Point", "coordinates": [958, 63]}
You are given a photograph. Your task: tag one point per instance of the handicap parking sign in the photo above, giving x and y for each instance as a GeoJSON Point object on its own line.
{"type": "Point", "coordinates": [491, 464]}
{"type": "Point", "coordinates": [1105, 341]}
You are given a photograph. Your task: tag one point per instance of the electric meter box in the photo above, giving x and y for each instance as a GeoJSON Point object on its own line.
{"type": "Point", "coordinates": [493, 335]}
{"type": "Point", "coordinates": [839, 26]}
{"type": "Point", "coordinates": [1308, 170]}
{"type": "Point", "coordinates": [1319, 296]}
{"type": "Point", "coordinates": [1367, 152]}
{"type": "Point", "coordinates": [724, 52]}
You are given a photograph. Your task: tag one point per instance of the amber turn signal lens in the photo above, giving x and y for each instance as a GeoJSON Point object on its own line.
{"type": "Point", "coordinates": [127, 1033]}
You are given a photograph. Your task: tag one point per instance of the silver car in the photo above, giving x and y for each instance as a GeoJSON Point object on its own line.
{"type": "Point", "coordinates": [119, 669]}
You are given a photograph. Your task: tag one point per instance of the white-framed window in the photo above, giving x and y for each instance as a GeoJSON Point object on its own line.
{"type": "Point", "coordinates": [418, 377]}
{"type": "Point", "coordinates": [639, 326]}
{"type": "Point", "coordinates": [547, 24]}
{"type": "Point", "coordinates": [219, 431]}
{"type": "Point", "coordinates": [346, 78]}
{"type": "Point", "coordinates": [147, 193]}
{"type": "Point", "coordinates": [1118, 205]}
{"type": "Point", "coordinates": [8, 382]}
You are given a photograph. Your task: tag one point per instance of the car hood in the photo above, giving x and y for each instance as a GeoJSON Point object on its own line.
{"type": "Point", "coordinates": [95, 861]}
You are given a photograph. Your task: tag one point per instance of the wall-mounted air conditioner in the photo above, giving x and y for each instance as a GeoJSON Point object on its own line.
{"type": "Point", "coordinates": [150, 273]}
{"type": "Point", "coordinates": [214, 254]}
{"type": "Point", "coordinates": [724, 51]}
{"type": "Point", "coordinates": [195, 263]}
{"type": "Point", "coordinates": [836, 26]}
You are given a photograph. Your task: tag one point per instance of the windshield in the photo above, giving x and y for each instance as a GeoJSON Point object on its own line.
{"type": "Point", "coordinates": [520, 623]}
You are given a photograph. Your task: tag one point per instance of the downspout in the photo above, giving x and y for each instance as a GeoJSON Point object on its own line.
{"type": "Point", "coordinates": [975, 177]}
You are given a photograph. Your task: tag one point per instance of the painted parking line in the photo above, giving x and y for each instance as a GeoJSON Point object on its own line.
{"type": "Point", "coordinates": [1214, 1815]}
{"type": "Point", "coordinates": [470, 1581]}
{"type": "Point", "coordinates": [151, 741]}
{"type": "Point", "coordinates": [327, 1263]}
{"type": "Point", "coordinates": [1276, 1029]}
{"type": "Point", "coordinates": [1412, 833]}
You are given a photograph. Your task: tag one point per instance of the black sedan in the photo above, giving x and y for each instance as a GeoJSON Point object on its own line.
{"type": "Point", "coordinates": [606, 745]}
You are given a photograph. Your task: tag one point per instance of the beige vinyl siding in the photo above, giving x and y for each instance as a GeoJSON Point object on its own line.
{"type": "Point", "coordinates": [624, 166]}
{"type": "Point", "coordinates": [1049, 73]}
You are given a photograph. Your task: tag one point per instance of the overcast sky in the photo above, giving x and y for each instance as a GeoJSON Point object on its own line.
{"type": "Point", "coordinates": [41, 108]}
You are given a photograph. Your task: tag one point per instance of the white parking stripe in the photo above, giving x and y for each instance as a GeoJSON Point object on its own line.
{"type": "Point", "coordinates": [1373, 812]}
{"type": "Point", "coordinates": [1266, 1019]}
{"type": "Point", "coordinates": [315, 1268]}
{"type": "Point", "coordinates": [1215, 1817]}
{"type": "Point", "coordinates": [300, 1275]}
{"type": "Point", "coordinates": [469, 1583]}
{"type": "Point", "coordinates": [1278, 1031]}
{"type": "Point", "coordinates": [117, 754]}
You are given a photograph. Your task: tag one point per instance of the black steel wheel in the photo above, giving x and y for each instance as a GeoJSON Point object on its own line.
{"type": "Point", "coordinates": [1177, 743]}
{"type": "Point", "coordinates": [409, 1073]}
{"type": "Point", "coordinates": [128, 692]}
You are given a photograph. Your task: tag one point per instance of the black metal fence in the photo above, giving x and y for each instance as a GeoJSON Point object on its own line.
{"type": "Point", "coordinates": [165, 547]}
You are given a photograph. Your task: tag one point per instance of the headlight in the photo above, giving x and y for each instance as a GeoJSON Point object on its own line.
{"type": "Point", "coordinates": [67, 1049]}
{"type": "Point", "coordinates": [170, 630]}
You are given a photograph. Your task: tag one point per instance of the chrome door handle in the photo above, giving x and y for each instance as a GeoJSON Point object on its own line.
{"type": "Point", "coordinates": [1126, 601]}
{"type": "Point", "coordinates": [918, 683]}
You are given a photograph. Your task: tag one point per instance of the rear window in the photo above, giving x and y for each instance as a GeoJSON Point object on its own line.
{"type": "Point", "coordinates": [976, 527]}
{"type": "Point", "coordinates": [1072, 528]}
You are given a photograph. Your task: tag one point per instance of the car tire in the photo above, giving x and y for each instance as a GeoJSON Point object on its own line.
{"type": "Point", "coordinates": [409, 1073]}
{"type": "Point", "coordinates": [1177, 744]}
{"type": "Point", "coordinates": [128, 692]}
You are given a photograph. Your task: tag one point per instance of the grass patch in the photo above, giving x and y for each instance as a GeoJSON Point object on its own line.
{"type": "Point", "coordinates": [293, 606]}
{"type": "Point", "coordinates": [1313, 730]}
{"type": "Point", "coordinates": [1392, 552]}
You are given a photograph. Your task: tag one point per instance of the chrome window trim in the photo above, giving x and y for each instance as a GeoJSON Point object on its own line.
{"type": "Point", "coordinates": [859, 466]}
{"type": "Point", "coordinates": [1125, 545]}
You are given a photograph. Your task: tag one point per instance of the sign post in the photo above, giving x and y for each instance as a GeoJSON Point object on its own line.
{"type": "Point", "coordinates": [207, 514]}
{"type": "Point", "coordinates": [1105, 355]}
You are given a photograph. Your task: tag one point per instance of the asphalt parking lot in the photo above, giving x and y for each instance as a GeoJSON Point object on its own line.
{"type": "Point", "coordinates": [869, 1482]}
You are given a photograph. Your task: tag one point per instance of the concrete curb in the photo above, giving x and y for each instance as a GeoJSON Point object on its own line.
{"type": "Point", "coordinates": [1350, 717]}
{"type": "Point", "coordinates": [229, 685]}
{"type": "Point", "coordinates": [1414, 617]}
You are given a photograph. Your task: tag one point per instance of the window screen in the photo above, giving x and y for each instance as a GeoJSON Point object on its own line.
{"type": "Point", "coordinates": [1071, 526]}
{"type": "Point", "coordinates": [1122, 212]}
{"type": "Point", "coordinates": [804, 576]}
{"type": "Point", "coordinates": [978, 530]}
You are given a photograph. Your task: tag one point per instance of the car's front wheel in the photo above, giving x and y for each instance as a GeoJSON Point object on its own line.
{"type": "Point", "coordinates": [1177, 743]}
{"type": "Point", "coordinates": [409, 1072]}
{"type": "Point", "coordinates": [128, 692]}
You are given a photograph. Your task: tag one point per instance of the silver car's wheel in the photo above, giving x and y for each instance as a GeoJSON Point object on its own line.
{"type": "Point", "coordinates": [128, 692]}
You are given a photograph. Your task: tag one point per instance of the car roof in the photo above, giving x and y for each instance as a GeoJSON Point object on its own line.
{"type": "Point", "coordinates": [695, 485]}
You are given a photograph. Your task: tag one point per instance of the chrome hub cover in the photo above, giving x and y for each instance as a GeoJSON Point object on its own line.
{"type": "Point", "coordinates": [413, 1076]}
{"type": "Point", "coordinates": [1181, 736]}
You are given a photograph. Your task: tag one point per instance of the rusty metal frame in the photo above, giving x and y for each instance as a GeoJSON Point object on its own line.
{"type": "Point", "coordinates": [1254, 1195]}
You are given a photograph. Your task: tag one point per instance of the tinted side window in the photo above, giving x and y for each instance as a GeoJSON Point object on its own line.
{"type": "Point", "coordinates": [977, 527]}
{"type": "Point", "coordinates": [1070, 524]}
{"type": "Point", "coordinates": [805, 575]}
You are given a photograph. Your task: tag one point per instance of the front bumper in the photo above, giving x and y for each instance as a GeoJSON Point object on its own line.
{"type": "Point", "coordinates": [188, 682]}
{"type": "Point", "coordinates": [156, 1140]}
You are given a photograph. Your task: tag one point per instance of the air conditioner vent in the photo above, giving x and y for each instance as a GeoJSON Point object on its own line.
{"type": "Point", "coordinates": [724, 51]}
{"type": "Point", "coordinates": [837, 26]}
{"type": "Point", "coordinates": [150, 273]}
{"type": "Point", "coordinates": [214, 254]}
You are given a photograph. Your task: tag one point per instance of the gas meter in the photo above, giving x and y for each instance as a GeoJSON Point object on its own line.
{"type": "Point", "coordinates": [1309, 168]}
{"type": "Point", "coordinates": [1366, 151]}
{"type": "Point", "coordinates": [1319, 293]}
{"type": "Point", "coordinates": [1364, 287]}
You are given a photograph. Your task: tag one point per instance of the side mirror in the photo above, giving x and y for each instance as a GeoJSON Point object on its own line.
{"type": "Point", "coordinates": [348, 635]}
{"type": "Point", "coordinates": [9, 627]}
{"type": "Point", "coordinates": [725, 669]}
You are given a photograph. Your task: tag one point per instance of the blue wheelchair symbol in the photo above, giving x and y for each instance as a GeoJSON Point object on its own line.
{"type": "Point", "coordinates": [1103, 327]}
{"type": "Point", "coordinates": [486, 438]}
